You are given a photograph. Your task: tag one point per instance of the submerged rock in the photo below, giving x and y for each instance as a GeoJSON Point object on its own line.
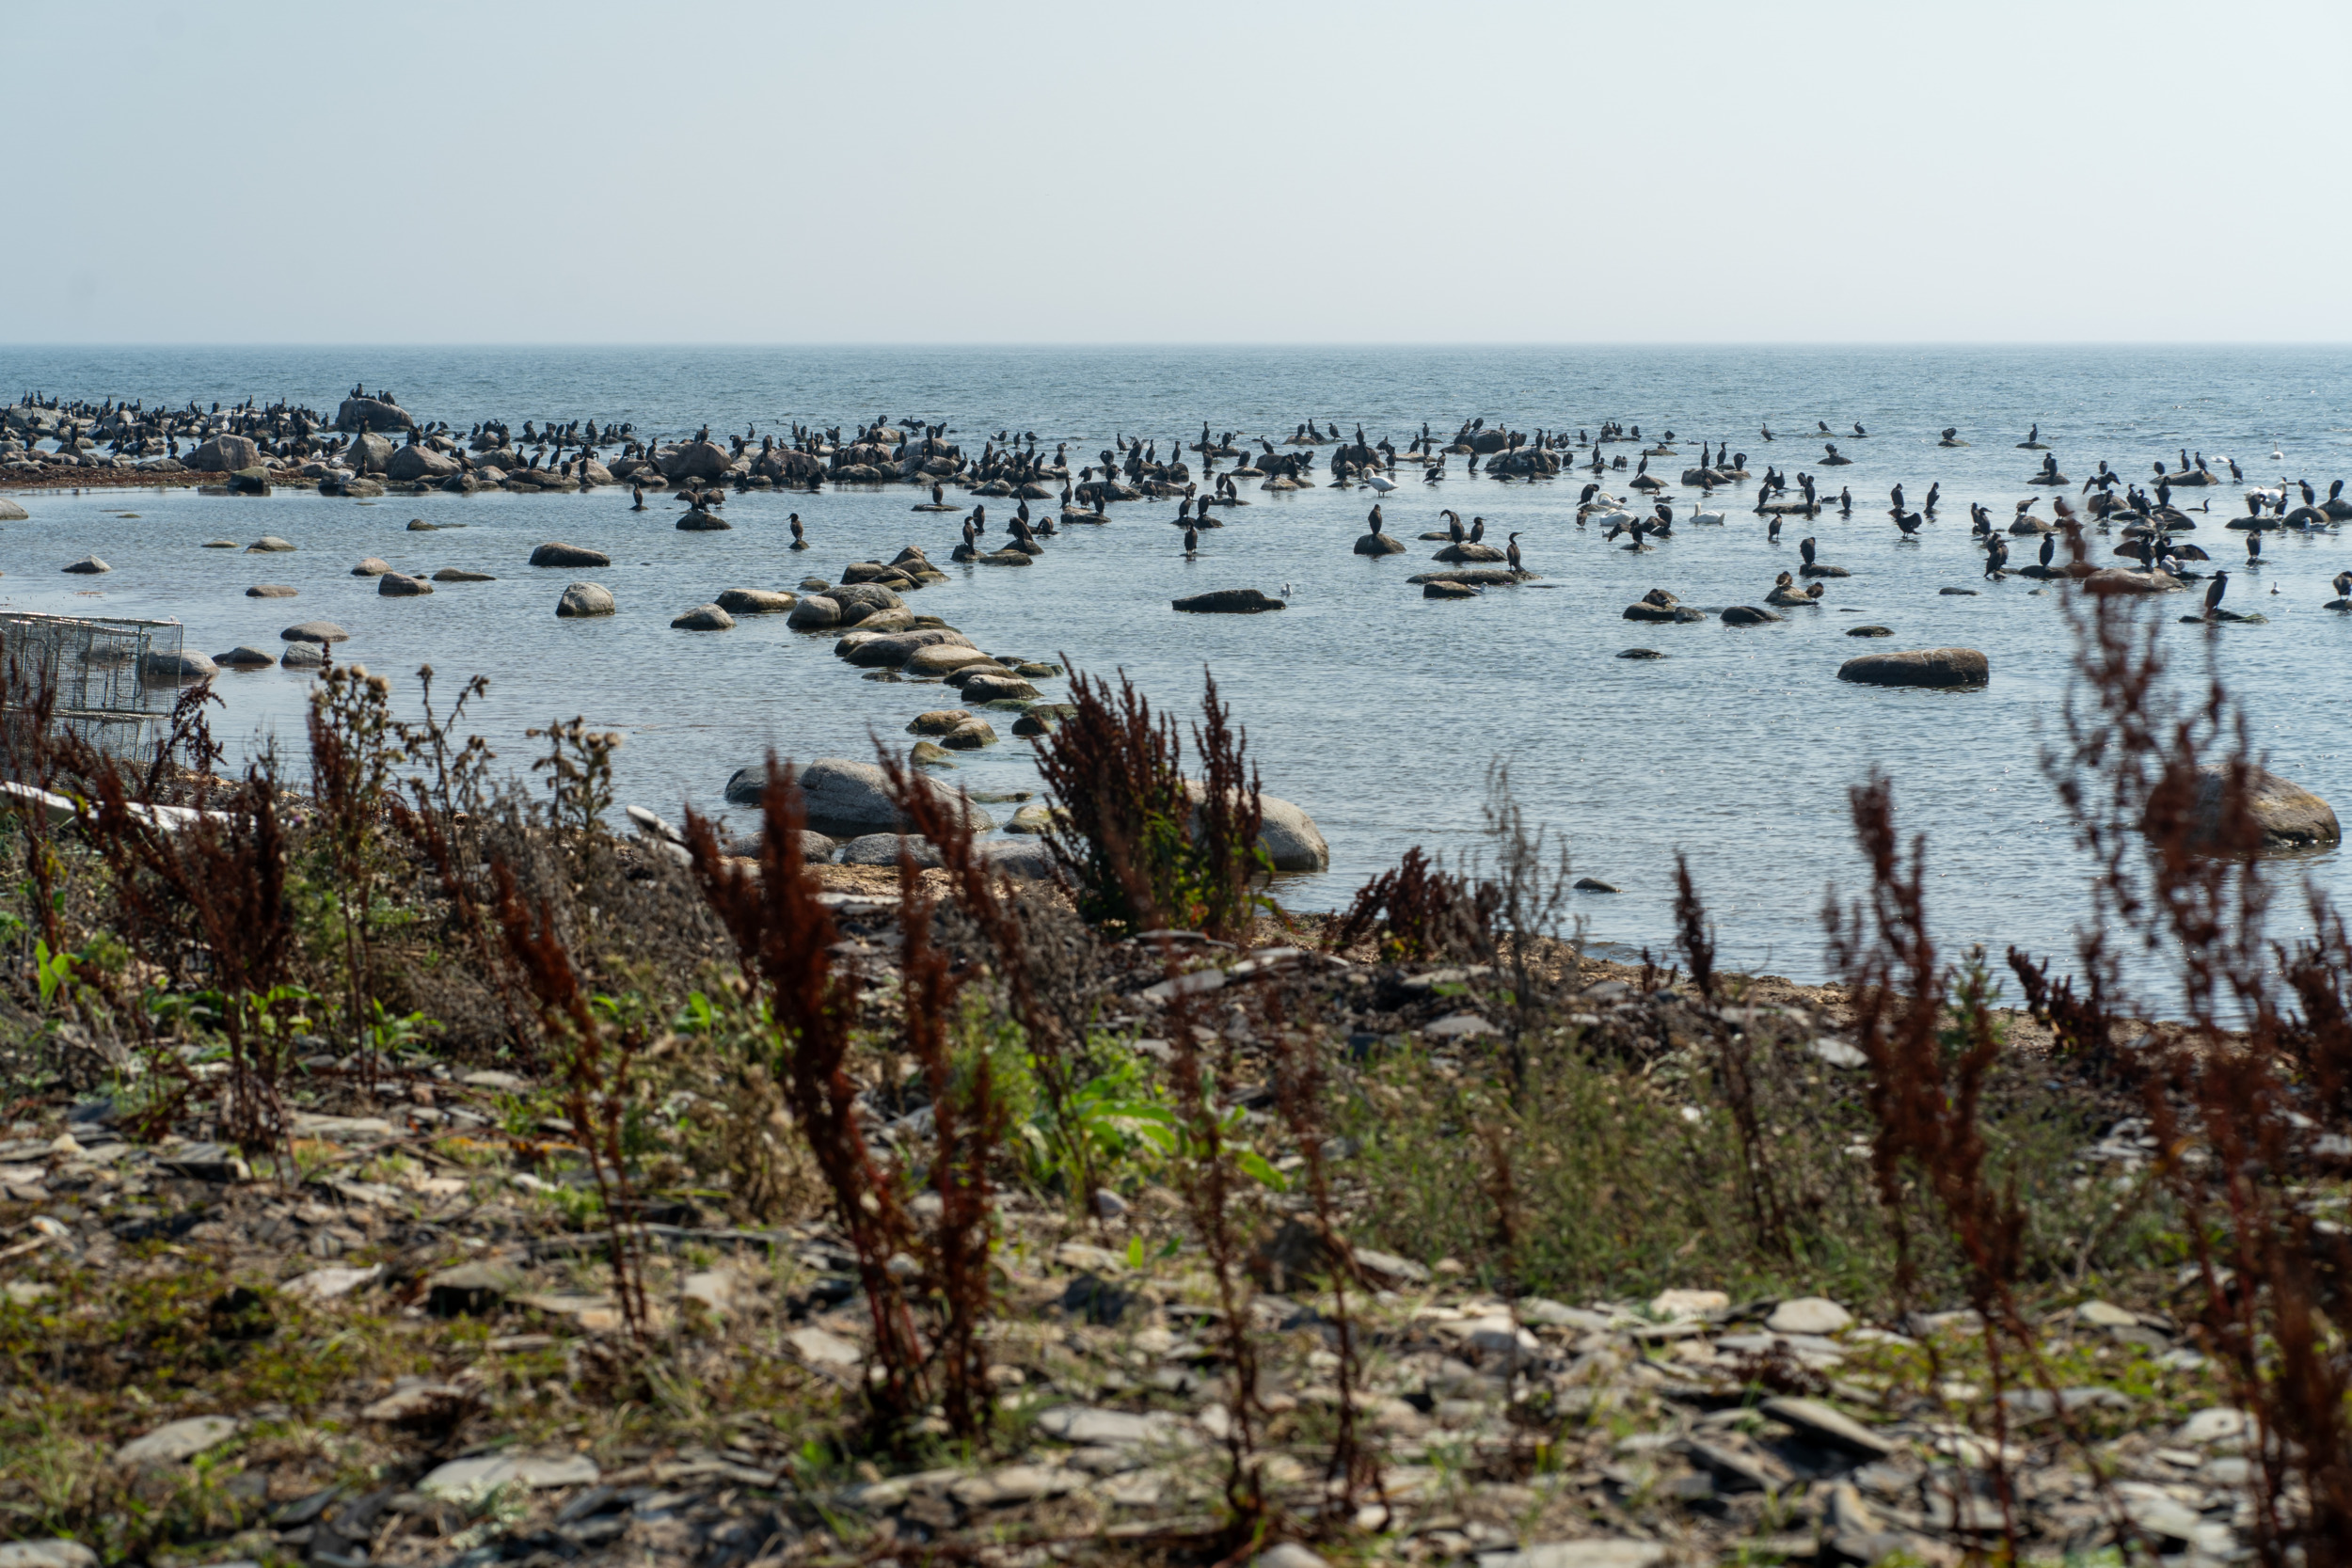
{"type": "Point", "coordinates": [1932, 666]}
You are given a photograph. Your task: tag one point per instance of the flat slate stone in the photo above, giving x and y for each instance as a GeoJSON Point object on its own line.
{"type": "Point", "coordinates": [1829, 1426]}
{"type": "Point", "coordinates": [176, 1442]}
{"type": "Point", "coordinates": [469, 1480]}
{"type": "Point", "coordinates": [316, 631]}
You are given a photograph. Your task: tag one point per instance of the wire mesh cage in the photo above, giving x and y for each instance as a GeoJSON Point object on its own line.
{"type": "Point", "coordinates": [111, 680]}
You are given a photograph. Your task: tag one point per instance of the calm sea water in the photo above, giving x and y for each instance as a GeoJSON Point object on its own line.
{"type": "Point", "coordinates": [1376, 710]}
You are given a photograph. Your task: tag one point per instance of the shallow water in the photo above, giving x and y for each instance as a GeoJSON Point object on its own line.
{"type": "Point", "coordinates": [1375, 709]}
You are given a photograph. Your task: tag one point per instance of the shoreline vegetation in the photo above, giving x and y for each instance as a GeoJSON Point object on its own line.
{"type": "Point", "coordinates": [402, 1168]}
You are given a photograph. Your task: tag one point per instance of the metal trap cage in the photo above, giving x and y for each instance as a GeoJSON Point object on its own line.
{"type": "Point", "coordinates": [111, 680]}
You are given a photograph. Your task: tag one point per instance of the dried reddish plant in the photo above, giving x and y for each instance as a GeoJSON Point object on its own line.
{"type": "Point", "coordinates": [204, 897]}
{"type": "Point", "coordinates": [968, 1120]}
{"type": "Point", "coordinates": [1056, 1057]}
{"type": "Point", "coordinates": [1734, 1051]}
{"type": "Point", "coordinates": [783, 935]}
{"type": "Point", "coordinates": [1417, 911]}
{"type": "Point", "coordinates": [1299, 1096]}
{"type": "Point", "coordinates": [595, 1073]}
{"type": "Point", "coordinates": [1141, 848]}
{"type": "Point", "coordinates": [1925, 1089]}
{"type": "Point", "coordinates": [2160, 784]}
{"type": "Point", "coordinates": [1211, 1183]}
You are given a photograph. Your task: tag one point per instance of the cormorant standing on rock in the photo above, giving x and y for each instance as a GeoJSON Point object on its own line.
{"type": "Point", "coordinates": [1772, 530]}
{"type": "Point", "coordinates": [1805, 548]}
{"type": "Point", "coordinates": [1845, 501]}
{"type": "Point", "coordinates": [2213, 590]}
{"type": "Point", "coordinates": [638, 493]}
{"type": "Point", "coordinates": [1192, 539]}
{"type": "Point", "coordinates": [1512, 551]}
{"type": "Point", "coordinates": [2049, 548]}
{"type": "Point", "coordinates": [799, 539]}
{"type": "Point", "coordinates": [1375, 518]}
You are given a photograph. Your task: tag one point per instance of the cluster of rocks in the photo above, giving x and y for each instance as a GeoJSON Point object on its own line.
{"type": "Point", "coordinates": [1510, 1431]}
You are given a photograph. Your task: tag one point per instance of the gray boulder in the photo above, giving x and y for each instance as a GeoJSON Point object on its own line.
{"type": "Point", "coordinates": [1228, 601]}
{"type": "Point", "coordinates": [554, 554]}
{"type": "Point", "coordinates": [268, 544]}
{"type": "Point", "coordinates": [1932, 666]}
{"type": "Point", "coordinates": [755, 601]}
{"type": "Point", "coordinates": [179, 667]}
{"type": "Point", "coordinates": [1748, 615]}
{"type": "Point", "coordinates": [316, 631]}
{"type": "Point", "coordinates": [1379, 544]}
{"type": "Point", "coordinates": [893, 650]}
{"type": "Point", "coordinates": [225, 454]}
{"type": "Point", "coordinates": [11, 513]}
{"type": "Point", "coordinates": [270, 590]}
{"type": "Point", "coordinates": [707, 617]}
{"type": "Point", "coordinates": [415, 463]}
{"type": "Point", "coordinates": [696, 520]}
{"type": "Point", "coordinates": [371, 567]}
{"type": "Point", "coordinates": [696, 460]}
{"type": "Point", "coordinates": [849, 800]}
{"type": "Point", "coordinates": [303, 656]}
{"type": "Point", "coordinates": [89, 567]}
{"type": "Point", "coordinates": [814, 612]}
{"type": "Point", "coordinates": [2288, 815]}
{"type": "Point", "coordinates": [245, 657]}
{"type": "Point", "coordinates": [400, 585]}
{"type": "Point", "coordinates": [585, 598]}
{"type": "Point", "coordinates": [884, 849]}
{"type": "Point", "coordinates": [1000, 686]}
{"type": "Point", "coordinates": [458, 573]}
{"type": "Point", "coordinates": [361, 414]}
{"type": "Point", "coordinates": [1024, 858]}
{"type": "Point", "coordinates": [367, 455]}
{"type": "Point", "coordinates": [1287, 834]}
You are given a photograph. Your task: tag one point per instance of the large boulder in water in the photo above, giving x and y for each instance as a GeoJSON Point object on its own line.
{"type": "Point", "coordinates": [225, 454]}
{"type": "Point", "coordinates": [363, 414]}
{"type": "Point", "coordinates": [1287, 834]}
{"type": "Point", "coordinates": [1466, 551]}
{"type": "Point", "coordinates": [1228, 601]}
{"type": "Point", "coordinates": [850, 800]}
{"type": "Point", "coordinates": [415, 463]}
{"type": "Point", "coordinates": [2114, 579]}
{"type": "Point", "coordinates": [584, 599]}
{"type": "Point", "coordinates": [696, 460]}
{"type": "Point", "coordinates": [815, 612]}
{"type": "Point", "coordinates": [1379, 544]}
{"type": "Point", "coordinates": [891, 650]}
{"type": "Point", "coordinates": [1937, 667]}
{"type": "Point", "coordinates": [2287, 816]}
{"type": "Point", "coordinates": [756, 601]}
{"type": "Point", "coordinates": [368, 455]}
{"type": "Point", "coordinates": [568, 555]}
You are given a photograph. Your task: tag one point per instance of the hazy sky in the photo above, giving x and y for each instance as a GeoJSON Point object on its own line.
{"type": "Point", "coordinates": [685, 172]}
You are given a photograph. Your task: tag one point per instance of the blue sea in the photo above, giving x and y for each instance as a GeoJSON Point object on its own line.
{"type": "Point", "coordinates": [1376, 710]}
